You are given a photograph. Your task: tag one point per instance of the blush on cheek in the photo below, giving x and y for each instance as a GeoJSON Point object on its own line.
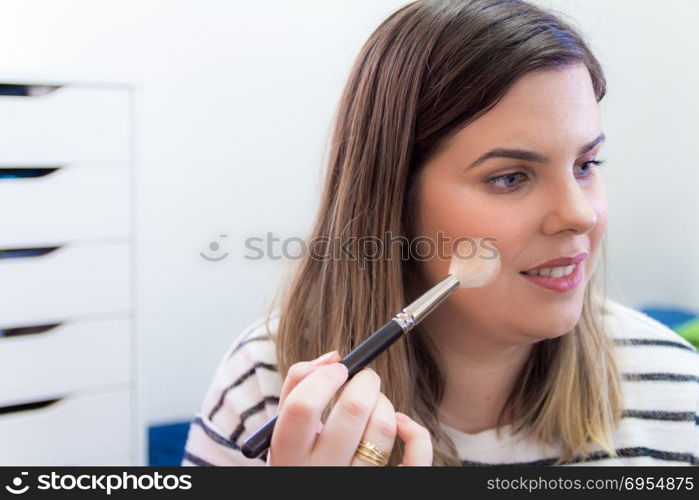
{"type": "Point", "coordinates": [599, 203]}
{"type": "Point", "coordinates": [601, 209]}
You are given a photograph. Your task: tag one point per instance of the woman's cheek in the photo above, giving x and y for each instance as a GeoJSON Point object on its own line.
{"type": "Point", "coordinates": [601, 209]}
{"type": "Point", "coordinates": [600, 203]}
{"type": "Point", "coordinates": [596, 235]}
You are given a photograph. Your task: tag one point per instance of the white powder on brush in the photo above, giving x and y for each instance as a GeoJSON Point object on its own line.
{"type": "Point", "coordinates": [475, 263]}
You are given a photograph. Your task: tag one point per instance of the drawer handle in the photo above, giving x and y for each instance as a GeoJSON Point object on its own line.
{"type": "Point", "coordinates": [24, 173]}
{"type": "Point", "coordinates": [24, 90]}
{"type": "Point", "coordinates": [20, 253]}
{"type": "Point", "coordinates": [27, 330]}
{"type": "Point", "coordinates": [4, 410]}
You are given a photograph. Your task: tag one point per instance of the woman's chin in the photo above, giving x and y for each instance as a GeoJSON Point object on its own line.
{"type": "Point", "coordinates": [552, 324]}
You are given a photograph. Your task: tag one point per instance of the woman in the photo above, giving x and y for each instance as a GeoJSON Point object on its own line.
{"type": "Point", "coordinates": [475, 118]}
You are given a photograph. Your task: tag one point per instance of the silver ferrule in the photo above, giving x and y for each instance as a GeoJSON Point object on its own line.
{"type": "Point", "coordinates": [421, 307]}
{"type": "Point", "coordinates": [405, 320]}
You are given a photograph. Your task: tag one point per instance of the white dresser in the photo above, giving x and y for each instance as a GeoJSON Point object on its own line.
{"type": "Point", "coordinates": [67, 335]}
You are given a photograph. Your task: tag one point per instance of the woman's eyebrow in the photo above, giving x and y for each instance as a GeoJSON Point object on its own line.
{"type": "Point", "coordinates": [522, 154]}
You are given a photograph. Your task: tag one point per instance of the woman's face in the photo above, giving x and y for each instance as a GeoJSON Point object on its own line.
{"type": "Point", "coordinates": [535, 210]}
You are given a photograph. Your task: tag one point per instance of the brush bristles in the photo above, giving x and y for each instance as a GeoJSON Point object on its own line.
{"type": "Point", "coordinates": [472, 268]}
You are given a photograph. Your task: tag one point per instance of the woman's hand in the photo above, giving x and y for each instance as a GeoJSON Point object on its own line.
{"type": "Point", "coordinates": [361, 412]}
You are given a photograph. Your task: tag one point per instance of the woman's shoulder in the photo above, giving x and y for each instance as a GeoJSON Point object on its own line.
{"type": "Point", "coordinates": [660, 378]}
{"type": "Point", "coordinates": [649, 351]}
{"type": "Point", "coordinates": [631, 326]}
{"type": "Point", "coordinates": [255, 342]}
{"type": "Point", "coordinates": [650, 355]}
{"type": "Point", "coordinates": [242, 395]}
{"type": "Point", "coordinates": [249, 365]}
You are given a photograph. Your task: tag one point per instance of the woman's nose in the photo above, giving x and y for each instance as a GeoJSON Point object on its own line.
{"type": "Point", "coordinates": [569, 208]}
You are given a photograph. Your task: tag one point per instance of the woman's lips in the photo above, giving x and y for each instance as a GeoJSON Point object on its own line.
{"type": "Point", "coordinates": [561, 261]}
{"type": "Point", "coordinates": [562, 284]}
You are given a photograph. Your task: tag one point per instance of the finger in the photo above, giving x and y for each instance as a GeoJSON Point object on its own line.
{"type": "Point", "coordinates": [381, 429]}
{"type": "Point", "coordinates": [348, 418]}
{"type": "Point", "coordinates": [418, 441]}
{"type": "Point", "coordinates": [297, 423]}
{"type": "Point", "coordinates": [299, 371]}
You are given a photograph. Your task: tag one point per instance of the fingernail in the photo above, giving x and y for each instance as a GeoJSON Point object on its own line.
{"type": "Point", "coordinates": [402, 417]}
{"type": "Point", "coordinates": [325, 357]}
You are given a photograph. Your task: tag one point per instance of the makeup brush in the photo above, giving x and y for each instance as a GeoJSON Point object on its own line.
{"type": "Point", "coordinates": [472, 271]}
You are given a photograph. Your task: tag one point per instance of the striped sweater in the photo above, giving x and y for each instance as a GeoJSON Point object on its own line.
{"type": "Point", "coordinates": [660, 424]}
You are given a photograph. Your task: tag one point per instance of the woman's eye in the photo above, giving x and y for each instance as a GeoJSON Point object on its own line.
{"type": "Point", "coordinates": [505, 182]}
{"type": "Point", "coordinates": [508, 182]}
{"type": "Point", "coordinates": [590, 167]}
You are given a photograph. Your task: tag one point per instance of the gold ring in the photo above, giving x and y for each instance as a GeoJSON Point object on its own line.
{"type": "Point", "coordinates": [371, 453]}
{"type": "Point", "coordinates": [367, 444]}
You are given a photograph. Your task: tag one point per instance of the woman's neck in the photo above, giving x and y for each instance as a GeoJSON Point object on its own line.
{"type": "Point", "coordinates": [479, 371]}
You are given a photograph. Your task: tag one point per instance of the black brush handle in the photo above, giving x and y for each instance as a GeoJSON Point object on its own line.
{"type": "Point", "coordinates": [362, 355]}
{"type": "Point", "coordinates": [377, 343]}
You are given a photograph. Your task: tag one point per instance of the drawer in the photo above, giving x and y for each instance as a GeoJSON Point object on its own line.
{"type": "Point", "coordinates": [64, 205]}
{"type": "Point", "coordinates": [75, 429]}
{"type": "Point", "coordinates": [69, 124]}
{"type": "Point", "coordinates": [46, 362]}
{"type": "Point", "coordinates": [74, 280]}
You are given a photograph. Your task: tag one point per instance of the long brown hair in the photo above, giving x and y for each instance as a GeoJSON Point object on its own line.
{"type": "Point", "coordinates": [428, 70]}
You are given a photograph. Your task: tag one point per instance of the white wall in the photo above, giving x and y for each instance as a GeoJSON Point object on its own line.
{"type": "Point", "coordinates": [233, 110]}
